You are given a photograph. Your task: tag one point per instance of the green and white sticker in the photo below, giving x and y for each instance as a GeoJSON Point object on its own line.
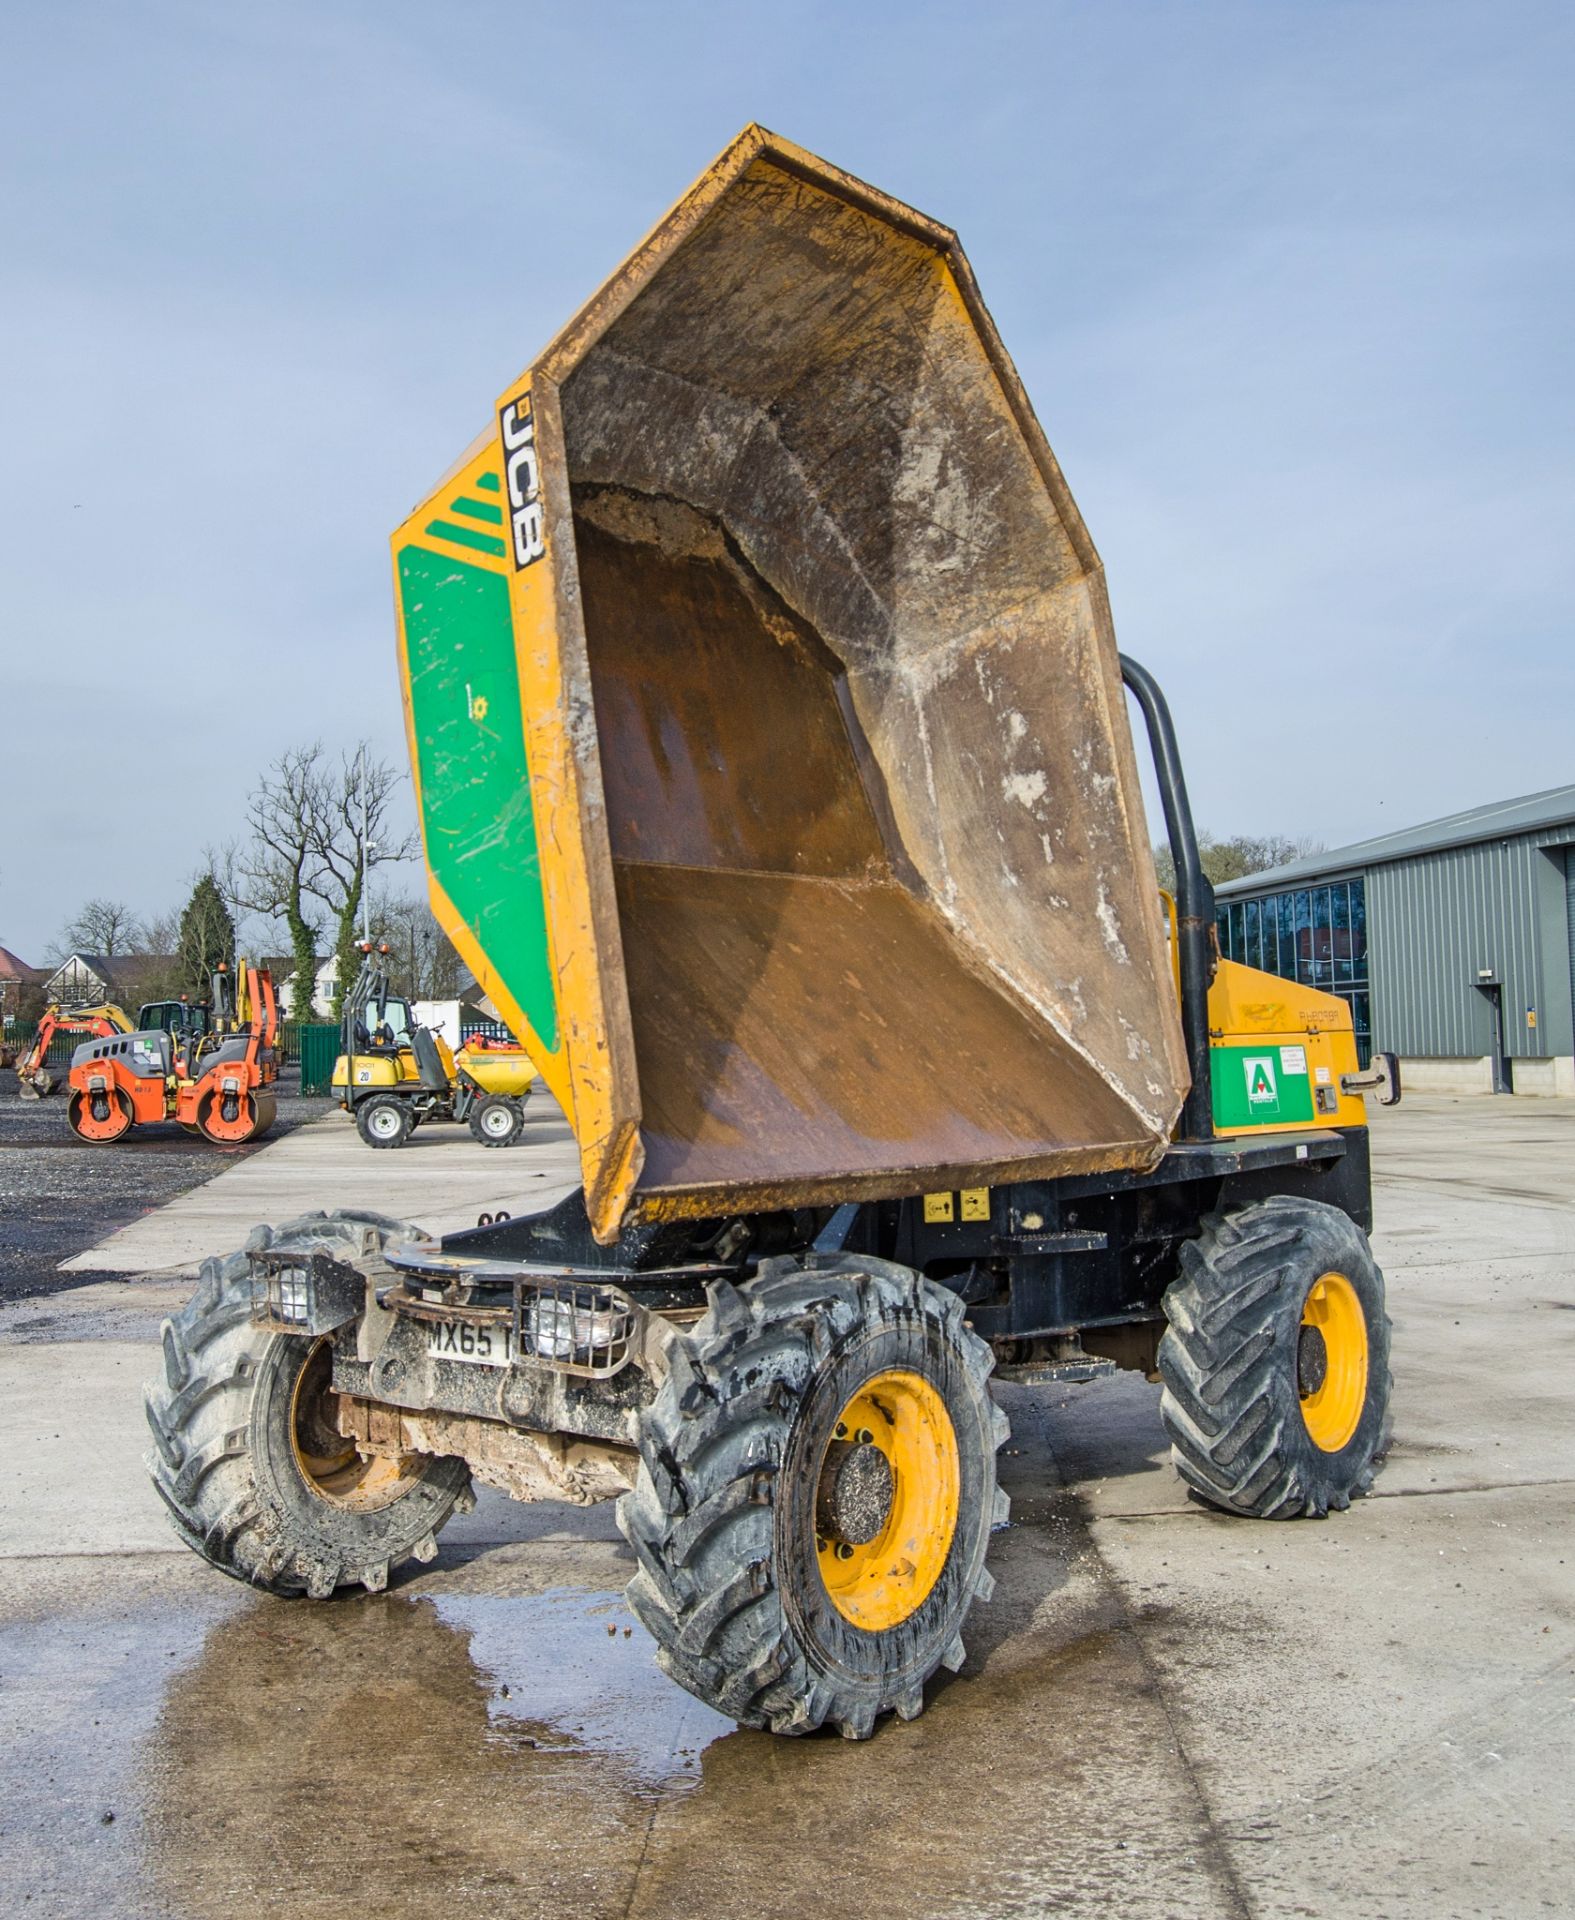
{"type": "Point", "coordinates": [1260, 1086]}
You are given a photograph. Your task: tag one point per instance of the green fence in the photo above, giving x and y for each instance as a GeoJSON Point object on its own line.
{"type": "Point", "coordinates": [317, 1045]}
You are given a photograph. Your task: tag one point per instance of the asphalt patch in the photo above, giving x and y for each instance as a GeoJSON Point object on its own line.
{"type": "Point", "coordinates": [59, 1196]}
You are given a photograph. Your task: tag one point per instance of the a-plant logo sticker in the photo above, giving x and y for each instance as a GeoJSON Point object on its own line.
{"type": "Point", "coordinates": [1262, 1088]}
{"type": "Point", "coordinates": [522, 476]}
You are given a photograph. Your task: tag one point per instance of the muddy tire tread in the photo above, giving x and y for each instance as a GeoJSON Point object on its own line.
{"type": "Point", "coordinates": [1236, 1439]}
{"type": "Point", "coordinates": [700, 1518]}
{"type": "Point", "coordinates": [200, 1413]}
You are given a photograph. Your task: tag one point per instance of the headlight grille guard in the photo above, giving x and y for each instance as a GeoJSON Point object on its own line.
{"type": "Point", "coordinates": [304, 1293]}
{"type": "Point", "coordinates": [561, 1324]}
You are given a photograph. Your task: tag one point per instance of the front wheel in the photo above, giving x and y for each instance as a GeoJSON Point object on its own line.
{"type": "Point", "coordinates": [248, 1456]}
{"type": "Point", "coordinates": [101, 1118]}
{"type": "Point", "coordinates": [815, 1497]}
{"type": "Point", "coordinates": [1276, 1361]}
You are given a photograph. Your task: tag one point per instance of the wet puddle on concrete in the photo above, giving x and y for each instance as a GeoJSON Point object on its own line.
{"type": "Point", "coordinates": [80, 1699]}
{"type": "Point", "coordinates": [497, 1747]}
{"type": "Point", "coordinates": [460, 1746]}
{"type": "Point", "coordinates": [574, 1673]}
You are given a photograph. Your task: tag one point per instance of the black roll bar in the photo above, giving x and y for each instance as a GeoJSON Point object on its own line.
{"type": "Point", "coordinates": [1194, 900]}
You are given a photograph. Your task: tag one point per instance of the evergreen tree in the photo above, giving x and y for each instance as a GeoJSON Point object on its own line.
{"type": "Point", "coordinates": [207, 936]}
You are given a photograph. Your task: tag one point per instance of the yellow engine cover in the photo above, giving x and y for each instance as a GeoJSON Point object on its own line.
{"type": "Point", "coordinates": [1277, 1051]}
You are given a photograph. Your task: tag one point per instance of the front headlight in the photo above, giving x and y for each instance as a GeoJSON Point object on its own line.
{"type": "Point", "coordinates": [561, 1330]}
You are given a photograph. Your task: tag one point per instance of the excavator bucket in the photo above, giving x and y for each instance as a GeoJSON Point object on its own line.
{"type": "Point", "coordinates": [768, 729]}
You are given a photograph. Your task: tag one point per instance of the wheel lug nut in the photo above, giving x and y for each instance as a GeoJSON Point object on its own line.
{"type": "Point", "coordinates": [842, 1430]}
{"type": "Point", "coordinates": [864, 1437]}
{"type": "Point", "coordinates": [820, 1545]}
{"type": "Point", "coordinates": [844, 1551]}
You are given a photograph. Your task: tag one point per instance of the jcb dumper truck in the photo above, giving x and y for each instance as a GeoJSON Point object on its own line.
{"type": "Point", "coordinates": [773, 759]}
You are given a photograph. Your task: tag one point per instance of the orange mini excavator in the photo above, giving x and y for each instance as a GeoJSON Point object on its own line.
{"type": "Point", "coordinates": [218, 1084]}
{"type": "Point", "coordinates": [188, 1022]}
{"type": "Point", "coordinates": [34, 1079]}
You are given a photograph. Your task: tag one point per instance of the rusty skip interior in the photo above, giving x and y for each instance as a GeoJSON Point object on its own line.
{"type": "Point", "coordinates": [871, 802]}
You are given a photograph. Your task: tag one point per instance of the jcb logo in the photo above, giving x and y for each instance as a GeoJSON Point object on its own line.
{"type": "Point", "coordinates": [522, 476]}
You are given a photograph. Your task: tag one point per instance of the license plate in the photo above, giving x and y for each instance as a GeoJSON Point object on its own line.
{"type": "Point", "coordinates": [482, 1346]}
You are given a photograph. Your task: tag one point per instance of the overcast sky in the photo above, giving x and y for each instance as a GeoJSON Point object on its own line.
{"type": "Point", "coordinates": [1290, 286]}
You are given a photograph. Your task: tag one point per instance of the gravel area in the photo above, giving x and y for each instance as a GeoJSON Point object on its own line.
{"type": "Point", "coordinates": [58, 1196]}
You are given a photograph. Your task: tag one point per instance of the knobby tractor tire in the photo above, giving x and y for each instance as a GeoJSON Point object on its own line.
{"type": "Point", "coordinates": [255, 1477]}
{"type": "Point", "coordinates": [1276, 1361]}
{"type": "Point", "coordinates": [728, 1516]}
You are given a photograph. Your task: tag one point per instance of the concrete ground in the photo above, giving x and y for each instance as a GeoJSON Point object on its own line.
{"type": "Point", "coordinates": [1164, 1712]}
{"type": "Point", "coordinates": [57, 1196]}
{"type": "Point", "coordinates": [440, 1179]}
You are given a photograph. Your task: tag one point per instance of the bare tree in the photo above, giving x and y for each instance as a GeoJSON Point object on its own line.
{"type": "Point", "coordinates": [1234, 858]}
{"type": "Point", "coordinates": [271, 872]}
{"type": "Point", "coordinates": [422, 959]}
{"type": "Point", "coordinates": [355, 835]}
{"type": "Point", "coordinates": [108, 927]}
{"type": "Point", "coordinates": [158, 974]}
{"type": "Point", "coordinates": [304, 863]}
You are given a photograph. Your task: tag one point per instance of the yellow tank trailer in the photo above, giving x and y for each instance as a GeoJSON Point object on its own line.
{"type": "Point", "coordinates": [775, 774]}
{"type": "Point", "coordinates": [394, 1074]}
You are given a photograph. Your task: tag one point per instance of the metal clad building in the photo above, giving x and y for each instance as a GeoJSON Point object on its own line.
{"type": "Point", "coordinates": [1454, 942]}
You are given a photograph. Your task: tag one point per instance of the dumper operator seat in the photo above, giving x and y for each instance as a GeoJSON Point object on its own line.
{"type": "Point", "coordinates": [429, 1061]}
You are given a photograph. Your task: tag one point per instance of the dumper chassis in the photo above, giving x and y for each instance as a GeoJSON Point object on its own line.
{"type": "Point", "coordinates": [761, 1393]}
{"type": "Point", "coordinates": [771, 747]}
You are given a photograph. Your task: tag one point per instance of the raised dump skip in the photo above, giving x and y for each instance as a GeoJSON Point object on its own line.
{"type": "Point", "coordinates": [798, 833]}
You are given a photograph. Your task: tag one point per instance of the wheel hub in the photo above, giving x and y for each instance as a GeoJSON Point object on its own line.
{"type": "Point", "coordinates": [330, 1464]}
{"type": "Point", "coordinates": [886, 1500]}
{"type": "Point", "coordinates": [1312, 1361]}
{"type": "Point", "coordinates": [1331, 1361]}
{"type": "Point", "coordinates": [853, 1501]}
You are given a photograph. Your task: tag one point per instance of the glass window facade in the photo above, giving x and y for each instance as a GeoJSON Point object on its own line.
{"type": "Point", "coordinates": [1315, 935]}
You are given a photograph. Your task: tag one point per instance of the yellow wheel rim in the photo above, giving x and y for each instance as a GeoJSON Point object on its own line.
{"type": "Point", "coordinates": [879, 1582]}
{"type": "Point", "coordinates": [329, 1464]}
{"type": "Point", "coordinates": [1332, 1363]}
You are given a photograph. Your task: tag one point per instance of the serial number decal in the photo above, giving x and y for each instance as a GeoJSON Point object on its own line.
{"type": "Point", "coordinates": [522, 476]}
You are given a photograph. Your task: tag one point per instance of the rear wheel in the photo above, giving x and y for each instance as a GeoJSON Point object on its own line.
{"type": "Point", "coordinates": [101, 1118]}
{"type": "Point", "coordinates": [383, 1122]}
{"type": "Point", "coordinates": [1276, 1361]}
{"type": "Point", "coordinates": [248, 1455]}
{"type": "Point", "coordinates": [815, 1497]}
{"type": "Point", "coordinates": [497, 1121]}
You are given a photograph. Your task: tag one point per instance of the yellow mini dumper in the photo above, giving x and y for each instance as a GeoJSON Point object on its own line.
{"type": "Point", "coordinates": [394, 1073]}
{"type": "Point", "coordinates": [772, 753]}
